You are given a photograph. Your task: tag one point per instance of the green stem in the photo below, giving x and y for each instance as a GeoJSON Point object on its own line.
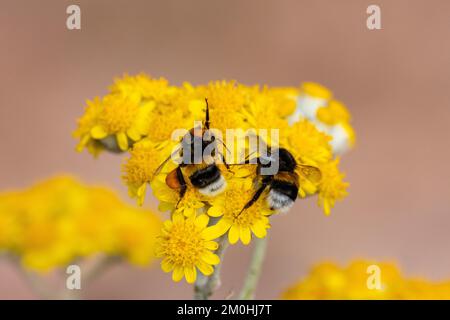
{"type": "Point", "coordinates": [205, 286]}
{"type": "Point", "coordinates": [254, 270]}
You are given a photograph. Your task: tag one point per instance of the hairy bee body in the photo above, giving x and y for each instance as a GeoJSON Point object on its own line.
{"type": "Point", "coordinates": [203, 174]}
{"type": "Point", "coordinates": [284, 184]}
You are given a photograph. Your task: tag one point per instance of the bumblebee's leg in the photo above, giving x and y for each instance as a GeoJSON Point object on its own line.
{"type": "Point", "coordinates": [224, 161]}
{"type": "Point", "coordinates": [256, 196]}
{"type": "Point", "coordinates": [183, 185]}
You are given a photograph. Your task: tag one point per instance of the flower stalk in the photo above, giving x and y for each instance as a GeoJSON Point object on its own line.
{"type": "Point", "coordinates": [254, 270]}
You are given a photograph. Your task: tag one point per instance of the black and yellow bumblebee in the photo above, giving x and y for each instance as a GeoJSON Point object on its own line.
{"type": "Point", "coordinates": [284, 183]}
{"type": "Point", "coordinates": [203, 173]}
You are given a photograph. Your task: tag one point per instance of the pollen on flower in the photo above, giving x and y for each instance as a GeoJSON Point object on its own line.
{"type": "Point", "coordinates": [308, 144]}
{"type": "Point", "coordinates": [140, 168]}
{"type": "Point", "coordinates": [119, 113]}
{"type": "Point", "coordinates": [240, 224]}
{"type": "Point", "coordinates": [184, 248]}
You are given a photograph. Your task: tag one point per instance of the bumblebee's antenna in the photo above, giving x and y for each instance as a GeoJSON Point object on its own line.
{"type": "Point", "coordinates": [207, 114]}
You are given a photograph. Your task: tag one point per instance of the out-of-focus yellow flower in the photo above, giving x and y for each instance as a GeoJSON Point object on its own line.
{"type": "Point", "coordinates": [239, 224]}
{"type": "Point", "coordinates": [59, 220]}
{"type": "Point", "coordinates": [331, 281]}
{"type": "Point", "coordinates": [184, 249]}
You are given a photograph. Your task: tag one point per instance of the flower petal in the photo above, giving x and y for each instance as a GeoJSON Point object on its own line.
{"type": "Point", "coordinates": [205, 268]}
{"type": "Point", "coordinates": [122, 141]}
{"type": "Point", "coordinates": [189, 212]}
{"type": "Point", "coordinates": [190, 273]}
{"type": "Point", "coordinates": [215, 211]}
{"type": "Point", "coordinates": [259, 229]}
{"type": "Point", "coordinates": [166, 265]}
{"type": "Point", "coordinates": [233, 234]}
{"type": "Point", "coordinates": [210, 258]}
{"type": "Point", "coordinates": [133, 134]}
{"type": "Point", "coordinates": [245, 235]}
{"type": "Point", "coordinates": [202, 221]}
{"type": "Point", "coordinates": [177, 218]}
{"type": "Point", "coordinates": [98, 132]}
{"type": "Point", "coordinates": [178, 273]}
{"type": "Point", "coordinates": [215, 231]}
{"type": "Point", "coordinates": [211, 245]}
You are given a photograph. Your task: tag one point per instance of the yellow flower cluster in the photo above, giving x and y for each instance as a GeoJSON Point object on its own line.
{"type": "Point", "coordinates": [316, 104]}
{"type": "Point", "coordinates": [359, 281]}
{"type": "Point", "coordinates": [57, 221]}
{"type": "Point", "coordinates": [140, 115]}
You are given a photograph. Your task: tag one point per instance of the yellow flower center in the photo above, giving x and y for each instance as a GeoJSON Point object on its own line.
{"type": "Point", "coordinates": [184, 244]}
{"type": "Point", "coordinates": [165, 121]}
{"type": "Point", "coordinates": [236, 199]}
{"type": "Point", "coordinates": [142, 164]}
{"type": "Point", "coordinates": [118, 114]}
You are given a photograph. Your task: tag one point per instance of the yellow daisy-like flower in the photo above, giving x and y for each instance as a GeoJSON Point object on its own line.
{"type": "Point", "coordinates": [329, 280]}
{"type": "Point", "coordinates": [267, 109]}
{"type": "Point", "coordinates": [308, 144]}
{"type": "Point", "coordinates": [140, 167]}
{"type": "Point", "coordinates": [226, 100]}
{"type": "Point", "coordinates": [123, 118]}
{"type": "Point", "coordinates": [165, 119]}
{"type": "Point", "coordinates": [90, 118]}
{"type": "Point", "coordinates": [239, 224]}
{"type": "Point", "coordinates": [60, 220]}
{"type": "Point", "coordinates": [332, 187]}
{"type": "Point", "coordinates": [142, 87]}
{"type": "Point", "coordinates": [184, 249]}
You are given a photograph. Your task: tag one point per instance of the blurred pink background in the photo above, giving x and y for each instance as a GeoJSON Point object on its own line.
{"type": "Point", "coordinates": [395, 82]}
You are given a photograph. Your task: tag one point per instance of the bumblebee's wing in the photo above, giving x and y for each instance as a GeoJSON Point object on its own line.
{"type": "Point", "coordinates": [311, 173]}
{"type": "Point", "coordinates": [172, 179]}
{"type": "Point", "coordinates": [161, 166]}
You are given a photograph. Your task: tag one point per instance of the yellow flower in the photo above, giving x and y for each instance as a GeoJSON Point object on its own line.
{"type": "Point", "coordinates": [184, 249]}
{"type": "Point", "coordinates": [330, 281]}
{"type": "Point", "coordinates": [226, 100]}
{"type": "Point", "coordinates": [136, 232]}
{"type": "Point", "coordinates": [316, 104]}
{"type": "Point", "coordinates": [332, 187]}
{"type": "Point", "coordinates": [311, 147]}
{"type": "Point", "coordinates": [90, 118]}
{"type": "Point", "coordinates": [239, 225]}
{"type": "Point", "coordinates": [141, 166]}
{"type": "Point", "coordinates": [59, 220]}
{"type": "Point", "coordinates": [308, 145]}
{"type": "Point", "coordinates": [123, 118]}
{"type": "Point", "coordinates": [144, 88]}
{"type": "Point", "coordinates": [267, 109]}
{"type": "Point", "coordinates": [165, 119]}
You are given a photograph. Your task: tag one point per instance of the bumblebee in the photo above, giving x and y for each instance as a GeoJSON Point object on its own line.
{"type": "Point", "coordinates": [284, 183]}
{"type": "Point", "coordinates": [203, 173]}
